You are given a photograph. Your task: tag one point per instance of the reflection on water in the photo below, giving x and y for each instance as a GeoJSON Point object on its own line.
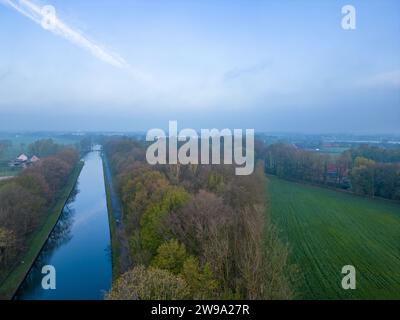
{"type": "Point", "coordinates": [79, 246]}
{"type": "Point", "coordinates": [60, 235]}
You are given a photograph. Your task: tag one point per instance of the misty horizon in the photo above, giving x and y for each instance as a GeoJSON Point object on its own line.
{"type": "Point", "coordinates": [265, 66]}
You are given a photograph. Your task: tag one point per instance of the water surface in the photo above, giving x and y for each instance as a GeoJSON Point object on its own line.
{"type": "Point", "coordinates": [79, 246]}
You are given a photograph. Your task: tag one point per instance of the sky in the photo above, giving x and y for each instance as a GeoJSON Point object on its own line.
{"type": "Point", "coordinates": [133, 65]}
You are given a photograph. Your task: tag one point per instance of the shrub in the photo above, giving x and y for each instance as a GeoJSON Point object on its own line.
{"type": "Point", "coordinates": [170, 256]}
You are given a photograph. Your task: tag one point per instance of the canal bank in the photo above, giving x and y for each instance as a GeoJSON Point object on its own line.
{"type": "Point", "coordinates": [115, 245]}
{"type": "Point", "coordinates": [121, 261]}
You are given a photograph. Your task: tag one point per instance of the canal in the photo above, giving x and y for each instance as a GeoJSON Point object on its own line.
{"type": "Point", "coordinates": [79, 246]}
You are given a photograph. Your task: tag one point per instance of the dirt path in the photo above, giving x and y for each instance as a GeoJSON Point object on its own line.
{"type": "Point", "coordinates": [125, 260]}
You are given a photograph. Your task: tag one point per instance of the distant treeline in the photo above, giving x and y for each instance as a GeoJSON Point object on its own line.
{"type": "Point", "coordinates": [195, 231]}
{"type": "Point", "coordinates": [26, 199]}
{"type": "Point", "coordinates": [377, 154]}
{"type": "Point", "coordinates": [46, 147]}
{"type": "Point", "coordinates": [366, 170]}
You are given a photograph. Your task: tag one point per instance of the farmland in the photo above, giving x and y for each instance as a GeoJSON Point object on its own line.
{"type": "Point", "coordinates": [327, 229]}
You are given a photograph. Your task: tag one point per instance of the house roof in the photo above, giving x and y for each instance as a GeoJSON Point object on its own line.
{"type": "Point", "coordinates": [22, 157]}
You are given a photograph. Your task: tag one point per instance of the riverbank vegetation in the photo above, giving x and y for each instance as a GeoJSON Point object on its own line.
{"type": "Point", "coordinates": [195, 232]}
{"type": "Point", "coordinates": [27, 202]}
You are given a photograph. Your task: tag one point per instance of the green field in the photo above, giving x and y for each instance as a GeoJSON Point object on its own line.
{"type": "Point", "coordinates": [333, 151]}
{"type": "Point", "coordinates": [327, 229]}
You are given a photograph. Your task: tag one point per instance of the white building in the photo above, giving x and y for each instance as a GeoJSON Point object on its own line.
{"type": "Point", "coordinates": [22, 158]}
{"type": "Point", "coordinates": [34, 159]}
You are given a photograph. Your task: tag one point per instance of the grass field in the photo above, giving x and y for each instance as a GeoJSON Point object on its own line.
{"type": "Point", "coordinates": [333, 151]}
{"type": "Point", "coordinates": [327, 230]}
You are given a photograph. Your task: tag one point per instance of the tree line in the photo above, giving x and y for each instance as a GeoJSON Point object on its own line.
{"type": "Point", "coordinates": [195, 231]}
{"type": "Point", "coordinates": [25, 201]}
{"type": "Point", "coordinates": [365, 170]}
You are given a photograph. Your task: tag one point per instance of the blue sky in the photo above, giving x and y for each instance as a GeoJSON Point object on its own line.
{"type": "Point", "coordinates": [268, 65]}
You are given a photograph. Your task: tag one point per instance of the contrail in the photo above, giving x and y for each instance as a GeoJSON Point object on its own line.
{"type": "Point", "coordinates": [35, 12]}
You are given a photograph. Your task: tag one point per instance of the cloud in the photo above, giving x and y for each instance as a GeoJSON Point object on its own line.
{"type": "Point", "coordinates": [389, 79]}
{"type": "Point", "coordinates": [36, 13]}
{"type": "Point", "coordinates": [249, 70]}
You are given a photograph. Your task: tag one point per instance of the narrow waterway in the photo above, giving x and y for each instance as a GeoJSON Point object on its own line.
{"type": "Point", "coordinates": [79, 247]}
